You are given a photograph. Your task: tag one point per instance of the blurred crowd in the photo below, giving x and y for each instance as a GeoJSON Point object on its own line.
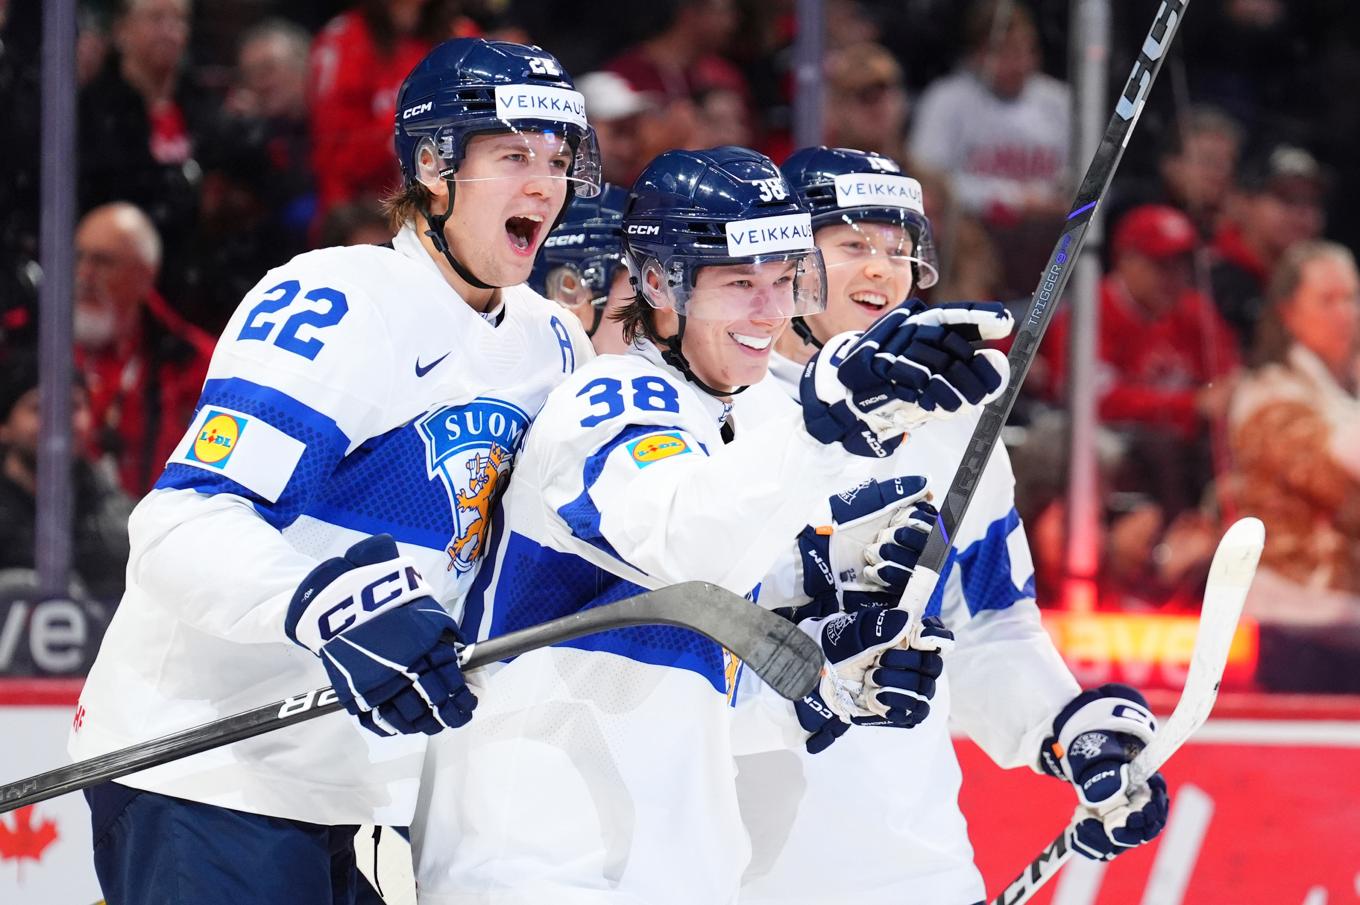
{"type": "Point", "coordinates": [218, 140]}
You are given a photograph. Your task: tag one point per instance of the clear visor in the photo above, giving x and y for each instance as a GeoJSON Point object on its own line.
{"type": "Point", "coordinates": [574, 286]}
{"type": "Point", "coordinates": [767, 287]}
{"type": "Point", "coordinates": [900, 244]}
{"type": "Point", "coordinates": [519, 152]}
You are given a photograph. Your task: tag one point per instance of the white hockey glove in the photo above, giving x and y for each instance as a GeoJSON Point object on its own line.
{"type": "Point", "coordinates": [914, 364]}
{"type": "Point", "coordinates": [387, 645]}
{"type": "Point", "coordinates": [879, 672]}
{"type": "Point", "coordinates": [1095, 737]}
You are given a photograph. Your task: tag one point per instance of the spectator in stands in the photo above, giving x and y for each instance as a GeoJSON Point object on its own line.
{"type": "Point", "coordinates": [681, 61]}
{"type": "Point", "coordinates": [1167, 361]}
{"type": "Point", "coordinates": [866, 101]}
{"type": "Point", "coordinates": [141, 120]}
{"type": "Point", "coordinates": [1001, 128]}
{"type": "Point", "coordinates": [142, 364]}
{"type": "Point", "coordinates": [257, 198]}
{"type": "Point", "coordinates": [1295, 430]}
{"type": "Point", "coordinates": [1197, 166]}
{"type": "Point", "coordinates": [358, 61]}
{"type": "Point", "coordinates": [269, 103]}
{"type": "Point", "coordinates": [626, 124]}
{"type": "Point", "coordinates": [100, 539]}
{"type": "Point", "coordinates": [1278, 204]}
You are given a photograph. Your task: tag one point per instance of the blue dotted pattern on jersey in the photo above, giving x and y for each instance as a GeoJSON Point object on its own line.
{"type": "Point", "coordinates": [581, 515]}
{"type": "Point", "coordinates": [325, 447]}
{"type": "Point", "coordinates": [384, 486]}
{"type": "Point", "coordinates": [538, 584]}
{"type": "Point", "coordinates": [986, 569]}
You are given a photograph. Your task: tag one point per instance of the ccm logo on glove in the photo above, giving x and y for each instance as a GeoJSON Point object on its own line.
{"type": "Point", "coordinates": [371, 599]}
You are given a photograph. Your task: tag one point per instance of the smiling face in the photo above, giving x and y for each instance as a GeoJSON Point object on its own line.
{"type": "Point", "coordinates": [868, 271]}
{"type": "Point", "coordinates": [510, 188]}
{"type": "Point", "coordinates": [735, 314]}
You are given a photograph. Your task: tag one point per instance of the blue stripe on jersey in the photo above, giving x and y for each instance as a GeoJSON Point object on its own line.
{"type": "Point", "coordinates": [384, 487]}
{"type": "Point", "coordinates": [986, 569]}
{"type": "Point", "coordinates": [324, 441]}
{"type": "Point", "coordinates": [581, 514]}
{"type": "Point", "coordinates": [538, 583]}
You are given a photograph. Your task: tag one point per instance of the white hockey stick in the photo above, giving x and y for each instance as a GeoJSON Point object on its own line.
{"type": "Point", "coordinates": [1229, 579]}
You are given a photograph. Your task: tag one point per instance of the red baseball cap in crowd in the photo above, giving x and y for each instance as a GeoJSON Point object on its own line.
{"type": "Point", "coordinates": [1156, 230]}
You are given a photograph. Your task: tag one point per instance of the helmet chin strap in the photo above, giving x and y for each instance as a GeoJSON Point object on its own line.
{"type": "Point", "coordinates": [805, 333]}
{"type": "Point", "coordinates": [672, 355]}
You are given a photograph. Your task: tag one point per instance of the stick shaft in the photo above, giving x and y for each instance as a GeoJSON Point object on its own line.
{"type": "Point", "coordinates": [787, 659]}
{"type": "Point", "coordinates": [1055, 276]}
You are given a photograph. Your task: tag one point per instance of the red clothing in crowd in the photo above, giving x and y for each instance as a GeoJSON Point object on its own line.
{"type": "Point", "coordinates": [353, 101]}
{"type": "Point", "coordinates": [666, 84]}
{"type": "Point", "coordinates": [1230, 247]}
{"type": "Point", "coordinates": [1151, 368]}
{"type": "Point", "coordinates": [143, 390]}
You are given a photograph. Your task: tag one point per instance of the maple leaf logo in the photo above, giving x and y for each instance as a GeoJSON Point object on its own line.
{"type": "Point", "coordinates": [25, 840]}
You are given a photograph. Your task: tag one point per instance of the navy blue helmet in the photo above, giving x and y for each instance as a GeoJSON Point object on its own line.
{"type": "Point", "coordinates": [588, 242]}
{"type": "Point", "coordinates": [471, 86]}
{"type": "Point", "coordinates": [578, 260]}
{"type": "Point", "coordinates": [841, 185]}
{"type": "Point", "coordinates": [727, 205]}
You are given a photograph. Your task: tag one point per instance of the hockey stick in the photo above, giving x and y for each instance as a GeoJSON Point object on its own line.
{"type": "Point", "coordinates": [788, 660]}
{"type": "Point", "coordinates": [1229, 579]}
{"type": "Point", "coordinates": [1051, 285]}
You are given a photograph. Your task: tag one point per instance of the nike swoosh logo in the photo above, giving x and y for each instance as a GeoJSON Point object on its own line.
{"type": "Point", "coordinates": [422, 370]}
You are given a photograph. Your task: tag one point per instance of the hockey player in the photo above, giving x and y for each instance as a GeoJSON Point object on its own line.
{"type": "Point", "coordinates": [1004, 684]}
{"type": "Point", "coordinates": [581, 266]}
{"type": "Point", "coordinates": [355, 391]}
{"type": "Point", "coordinates": [600, 770]}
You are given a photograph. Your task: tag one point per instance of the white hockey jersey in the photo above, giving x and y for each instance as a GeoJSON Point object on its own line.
{"type": "Point", "coordinates": [353, 392]}
{"type": "Point", "coordinates": [1002, 685]}
{"type": "Point", "coordinates": [601, 770]}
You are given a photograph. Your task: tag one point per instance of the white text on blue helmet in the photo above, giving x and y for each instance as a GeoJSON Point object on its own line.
{"type": "Point", "coordinates": [766, 235]}
{"type": "Point", "coordinates": [879, 190]}
{"type": "Point", "coordinates": [540, 102]}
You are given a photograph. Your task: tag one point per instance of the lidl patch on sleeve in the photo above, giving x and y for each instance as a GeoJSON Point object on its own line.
{"type": "Point", "coordinates": [241, 447]}
{"type": "Point", "coordinates": [655, 447]}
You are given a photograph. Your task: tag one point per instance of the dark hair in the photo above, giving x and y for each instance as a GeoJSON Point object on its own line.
{"type": "Point", "coordinates": [637, 319]}
{"type": "Point", "coordinates": [435, 24]}
{"type": "Point", "coordinates": [1272, 339]}
{"type": "Point", "coordinates": [982, 17]}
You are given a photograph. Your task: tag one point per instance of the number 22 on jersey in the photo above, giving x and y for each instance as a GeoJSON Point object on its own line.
{"type": "Point", "coordinates": [284, 332]}
{"type": "Point", "coordinates": [648, 393]}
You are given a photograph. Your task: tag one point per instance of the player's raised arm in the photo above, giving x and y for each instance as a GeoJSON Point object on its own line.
{"type": "Point", "coordinates": [721, 257]}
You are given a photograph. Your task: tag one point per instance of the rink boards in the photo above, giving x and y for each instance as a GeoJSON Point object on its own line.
{"type": "Point", "coordinates": [1266, 811]}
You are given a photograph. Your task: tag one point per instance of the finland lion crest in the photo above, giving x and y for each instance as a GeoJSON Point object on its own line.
{"type": "Point", "coordinates": [471, 448]}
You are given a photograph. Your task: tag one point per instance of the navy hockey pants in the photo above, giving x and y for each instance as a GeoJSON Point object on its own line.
{"type": "Point", "coordinates": [154, 848]}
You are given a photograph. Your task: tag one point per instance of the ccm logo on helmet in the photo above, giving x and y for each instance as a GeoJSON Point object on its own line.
{"type": "Point", "coordinates": [642, 229]}
{"type": "Point", "coordinates": [560, 241]}
{"type": "Point", "coordinates": [417, 110]}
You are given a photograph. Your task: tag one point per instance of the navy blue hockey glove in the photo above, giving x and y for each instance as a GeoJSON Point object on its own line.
{"type": "Point", "coordinates": [879, 672]}
{"type": "Point", "coordinates": [1095, 737]}
{"type": "Point", "coordinates": [865, 556]}
{"type": "Point", "coordinates": [914, 364]}
{"type": "Point", "coordinates": [387, 645]}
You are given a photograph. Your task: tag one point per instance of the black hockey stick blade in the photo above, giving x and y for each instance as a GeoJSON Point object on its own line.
{"type": "Point", "coordinates": [787, 660]}
{"type": "Point", "coordinates": [1053, 281]}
